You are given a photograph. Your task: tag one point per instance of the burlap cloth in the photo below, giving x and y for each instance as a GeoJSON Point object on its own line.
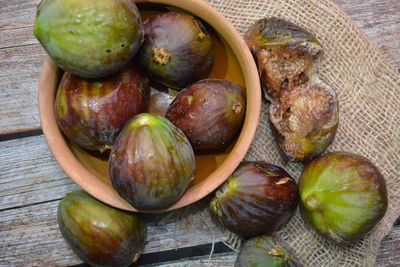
{"type": "Point", "coordinates": [368, 90]}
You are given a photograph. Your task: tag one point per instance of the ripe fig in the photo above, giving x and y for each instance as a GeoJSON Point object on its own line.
{"type": "Point", "coordinates": [256, 199]}
{"type": "Point", "coordinates": [177, 49]}
{"type": "Point", "coordinates": [266, 251]}
{"type": "Point", "coordinates": [305, 119]}
{"type": "Point", "coordinates": [210, 113]}
{"type": "Point", "coordinates": [99, 234]}
{"type": "Point", "coordinates": [89, 38]}
{"type": "Point", "coordinates": [343, 196]}
{"type": "Point", "coordinates": [92, 112]}
{"type": "Point", "coordinates": [151, 163]}
{"type": "Point", "coordinates": [286, 54]}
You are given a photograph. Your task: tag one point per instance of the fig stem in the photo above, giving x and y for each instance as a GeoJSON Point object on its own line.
{"type": "Point", "coordinates": [312, 203]}
{"type": "Point", "coordinates": [161, 56]}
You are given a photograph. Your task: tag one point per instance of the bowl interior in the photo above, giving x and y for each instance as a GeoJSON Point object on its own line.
{"type": "Point", "coordinates": [91, 171]}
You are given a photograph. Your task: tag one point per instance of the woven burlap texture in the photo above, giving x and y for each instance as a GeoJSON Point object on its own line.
{"type": "Point", "coordinates": [368, 90]}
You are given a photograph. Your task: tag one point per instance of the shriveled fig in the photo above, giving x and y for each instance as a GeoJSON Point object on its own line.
{"type": "Point", "coordinates": [151, 163]}
{"type": "Point", "coordinates": [256, 199]}
{"type": "Point", "coordinates": [89, 38]}
{"type": "Point", "coordinates": [99, 234]}
{"type": "Point", "coordinates": [286, 54]}
{"type": "Point", "coordinates": [305, 119]}
{"type": "Point", "coordinates": [266, 251]}
{"type": "Point", "coordinates": [343, 196]}
{"type": "Point", "coordinates": [93, 112]}
{"type": "Point", "coordinates": [210, 112]}
{"type": "Point", "coordinates": [177, 49]}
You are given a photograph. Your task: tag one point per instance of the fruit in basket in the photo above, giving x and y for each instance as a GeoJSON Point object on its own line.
{"type": "Point", "coordinates": [99, 234]}
{"type": "Point", "coordinates": [256, 199]}
{"type": "Point", "coordinates": [343, 196]}
{"type": "Point", "coordinates": [266, 251]}
{"type": "Point", "coordinates": [151, 163]}
{"type": "Point", "coordinates": [305, 119]}
{"type": "Point", "coordinates": [286, 54]}
{"type": "Point", "coordinates": [177, 49]}
{"type": "Point", "coordinates": [89, 38]}
{"type": "Point", "coordinates": [93, 112]}
{"type": "Point", "coordinates": [210, 113]}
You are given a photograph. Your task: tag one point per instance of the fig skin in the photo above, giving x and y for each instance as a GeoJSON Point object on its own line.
{"type": "Point", "coordinates": [305, 120]}
{"type": "Point", "coordinates": [286, 54]}
{"type": "Point", "coordinates": [99, 234]}
{"type": "Point", "coordinates": [343, 196]}
{"type": "Point", "coordinates": [151, 163]}
{"type": "Point", "coordinates": [266, 251]}
{"type": "Point", "coordinates": [89, 38]}
{"type": "Point", "coordinates": [177, 49]}
{"type": "Point", "coordinates": [93, 112]}
{"type": "Point", "coordinates": [258, 198]}
{"type": "Point", "coordinates": [210, 113]}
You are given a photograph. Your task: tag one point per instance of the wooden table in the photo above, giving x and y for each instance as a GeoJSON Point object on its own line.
{"type": "Point", "coordinates": [31, 182]}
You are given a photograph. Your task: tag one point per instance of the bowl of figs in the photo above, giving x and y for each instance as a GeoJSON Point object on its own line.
{"type": "Point", "coordinates": [147, 105]}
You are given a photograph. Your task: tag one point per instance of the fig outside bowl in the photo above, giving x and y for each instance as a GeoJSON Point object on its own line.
{"type": "Point", "coordinates": [232, 61]}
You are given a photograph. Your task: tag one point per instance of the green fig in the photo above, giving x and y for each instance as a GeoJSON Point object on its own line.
{"type": "Point", "coordinates": [258, 198]}
{"type": "Point", "coordinates": [210, 113]}
{"type": "Point", "coordinates": [99, 234]}
{"type": "Point", "coordinates": [343, 196]}
{"type": "Point", "coordinates": [152, 162]}
{"type": "Point", "coordinates": [89, 38]}
{"type": "Point", "coordinates": [286, 54]}
{"type": "Point", "coordinates": [266, 251]}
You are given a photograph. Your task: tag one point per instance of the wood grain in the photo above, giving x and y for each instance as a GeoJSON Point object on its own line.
{"type": "Point", "coordinates": [378, 19]}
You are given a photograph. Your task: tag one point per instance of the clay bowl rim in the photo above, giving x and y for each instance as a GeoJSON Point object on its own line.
{"type": "Point", "coordinates": [102, 190]}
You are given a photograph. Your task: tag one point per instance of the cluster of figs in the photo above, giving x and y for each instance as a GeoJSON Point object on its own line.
{"type": "Point", "coordinates": [110, 58]}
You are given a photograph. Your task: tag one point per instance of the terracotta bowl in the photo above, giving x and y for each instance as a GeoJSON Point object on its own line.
{"type": "Point", "coordinates": [233, 61]}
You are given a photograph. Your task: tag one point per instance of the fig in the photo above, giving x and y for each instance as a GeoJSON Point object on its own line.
{"type": "Point", "coordinates": [89, 38]}
{"type": "Point", "coordinates": [99, 234]}
{"type": "Point", "coordinates": [343, 196]}
{"type": "Point", "coordinates": [93, 112]}
{"type": "Point", "coordinates": [266, 251]}
{"type": "Point", "coordinates": [305, 119]}
{"type": "Point", "coordinates": [177, 49]}
{"type": "Point", "coordinates": [210, 113]}
{"type": "Point", "coordinates": [151, 163]}
{"type": "Point", "coordinates": [258, 198]}
{"type": "Point", "coordinates": [286, 54]}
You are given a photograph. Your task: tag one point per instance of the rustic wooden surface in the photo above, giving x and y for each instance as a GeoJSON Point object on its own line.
{"type": "Point", "coordinates": [31, 182]}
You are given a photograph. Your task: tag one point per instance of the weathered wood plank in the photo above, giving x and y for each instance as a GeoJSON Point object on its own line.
{"type": "Point", "coordinates": [378, 19]}
{"type": "Point", "coordinates": [30, 235]}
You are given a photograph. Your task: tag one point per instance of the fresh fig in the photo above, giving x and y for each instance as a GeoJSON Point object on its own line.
{"type": "Point", "coordinates": [89, 38]}
{"type": "Point", "coordinates": [99, 234]}
{"type": "Point", "coordinates": [286, 54]}
{"type": "Point", "coordinates": [151, 163]}
{"type": "Point", "coordinates": [93, 112]}
{"type": "Point", "coordinates": [210, 112]}
{"type": "Point", "coordinates": [343, 196]}
{"type": "Point", "coordinates": [256, 199]}
{"type": "Point", "coordinates": [266, 251]}
{"type": "Point", "coordinates": [305, 119]}
{"type": "Point", "coordinates": [177, 49]}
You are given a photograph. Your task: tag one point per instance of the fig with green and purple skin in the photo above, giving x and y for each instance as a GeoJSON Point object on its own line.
{"type": "Point", "coordinates": [151, 163]}
{"type": "Point", "coordinates": [93, 112]}
{"type": "Point", "coordinates": [305, 119]}
{"type": "Point", "coordinates": [266, 251]}
{"type": "Point", "coordinates": [343, 196]}
{"type": "Point", "coordinates": [210, 112]}
{"type": "Point", "coordinates": [258, 198]}
{"type": "Point", "coordinates": [286, 54]}
{"type": "Point", "coordinates": [177, 49]}
{"type": "Point", "coordinates": [99, 234]}
{"type": "Point", "coordinates": [89, 38]}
